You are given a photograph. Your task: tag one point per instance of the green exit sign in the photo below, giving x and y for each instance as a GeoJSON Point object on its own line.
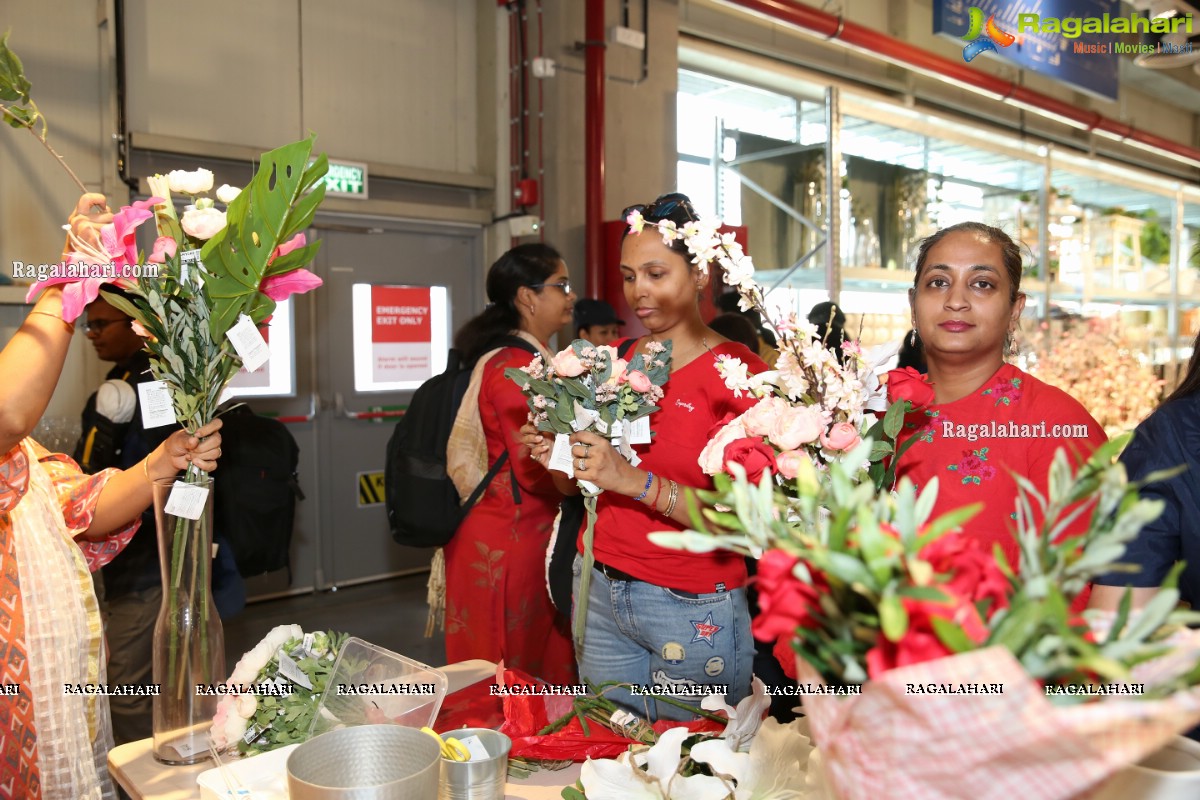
{"type": "Point", "coordinates": [346, 179]}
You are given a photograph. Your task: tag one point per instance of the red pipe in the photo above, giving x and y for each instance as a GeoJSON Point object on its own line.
{"type": "Point", "coordinates": [593, 146]}
{"type": "Point", "coordinates": [901, 53]}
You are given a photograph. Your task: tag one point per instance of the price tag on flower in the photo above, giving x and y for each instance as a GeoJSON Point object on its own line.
{"type": "Point", "coordinates": [249, 343]}
{"type": "Point", "coordinates": [156, 405]}
{"type": "Point", "coordinates": [186, 500]}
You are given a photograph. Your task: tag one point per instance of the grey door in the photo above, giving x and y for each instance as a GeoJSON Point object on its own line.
{"type": "Point", "coordinates": [352, 427]}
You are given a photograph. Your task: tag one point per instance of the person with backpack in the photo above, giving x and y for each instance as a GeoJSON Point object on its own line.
{"type": "Point", "coordinates": [496, 603]}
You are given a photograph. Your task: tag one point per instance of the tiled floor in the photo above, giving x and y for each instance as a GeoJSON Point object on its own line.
{"type": "Point", "coordinates": [388, 613]}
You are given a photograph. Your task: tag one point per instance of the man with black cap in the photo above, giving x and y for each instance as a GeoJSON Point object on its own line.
{"type": "Point", "coordinates": [596, 321]}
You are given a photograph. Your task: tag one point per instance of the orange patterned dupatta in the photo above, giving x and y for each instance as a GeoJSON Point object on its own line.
{"type": "Point", "coordinates": [50, 627]}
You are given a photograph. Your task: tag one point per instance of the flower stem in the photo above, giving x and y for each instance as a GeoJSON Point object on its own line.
{"type": "Point", "coordinates": [28, 125]}
{"type": "Point", "coordinates": [585, 576]}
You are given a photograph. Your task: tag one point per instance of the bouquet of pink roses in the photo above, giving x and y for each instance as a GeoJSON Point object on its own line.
{"type": "Point", "coordinates": [588, 387]}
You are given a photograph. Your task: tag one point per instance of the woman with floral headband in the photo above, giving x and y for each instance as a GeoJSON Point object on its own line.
{"type": "Point", "coordinates": [979, 420]}
{"type": "Point", "coordinates": [662, 618]}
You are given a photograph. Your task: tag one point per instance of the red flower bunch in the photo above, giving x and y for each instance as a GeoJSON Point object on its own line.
{"type": "Point", "coordinates": [785, 601]}
{"type": "Point", "coordinates": [973, 573]}
{"type": "Point", "coordinates": [920, 641]}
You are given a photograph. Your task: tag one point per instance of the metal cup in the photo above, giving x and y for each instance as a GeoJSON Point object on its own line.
{"type": "Point", "coordinates": [482, 779]}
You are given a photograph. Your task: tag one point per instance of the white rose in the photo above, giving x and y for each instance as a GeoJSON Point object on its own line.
{"type": "Point", "coordinates": [202, 223]}
{"type": "Point", "coordinates": [226, 194]}
{"type": "Point", "coordinates": [200, 180]}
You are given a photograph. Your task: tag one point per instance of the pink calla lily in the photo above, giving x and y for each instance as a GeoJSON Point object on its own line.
{"type": "Point", "coordinates": [281, 287]}
{"type": "Point", "coordinates": [291, 244]}
{"type": "Point", "coordinates": [118, 248]}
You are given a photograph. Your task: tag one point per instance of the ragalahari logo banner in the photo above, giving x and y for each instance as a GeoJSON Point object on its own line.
{"type": "Point", "coordinates": [981, 37]}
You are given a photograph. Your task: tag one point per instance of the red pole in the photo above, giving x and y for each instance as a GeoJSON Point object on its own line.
{"type": "Point", "coordinates": [594, 146]}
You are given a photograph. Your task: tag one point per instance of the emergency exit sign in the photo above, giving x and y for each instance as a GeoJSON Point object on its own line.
{"type": "Point", "coordinates": [346, 179]}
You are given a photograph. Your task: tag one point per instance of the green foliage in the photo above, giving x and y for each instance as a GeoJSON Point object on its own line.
{"type": "Point", "coordinates": [14, 88]}
{"type": "Point", "coordinates": [278, 203]}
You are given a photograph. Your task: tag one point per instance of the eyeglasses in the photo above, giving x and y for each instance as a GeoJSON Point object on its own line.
{"type": "Point", "coordinates": [97, 326]}
{"type": "Point", "coordinates": [564, 285]}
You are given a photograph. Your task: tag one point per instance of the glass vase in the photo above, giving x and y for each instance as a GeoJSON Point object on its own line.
{"type": "Point", "coordinates": [189, 648]}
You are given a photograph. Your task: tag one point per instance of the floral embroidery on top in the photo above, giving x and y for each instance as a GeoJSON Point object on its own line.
{"type": "Point", "coordinates": [972, 467]}
{"type": "Point", "coordinates": [1005, 391]}
{"type": "Point", "coordinates": [926, 431]}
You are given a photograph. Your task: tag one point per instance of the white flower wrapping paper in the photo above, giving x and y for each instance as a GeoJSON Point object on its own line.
{"type": "Point", "coordinates": [889, 743]}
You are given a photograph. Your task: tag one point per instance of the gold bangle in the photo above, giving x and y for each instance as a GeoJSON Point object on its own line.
{"type": "Point", "coordinates": [70, 326]}
{"type": "Point", "coordinates": [146, 470]}
{"type": "Point", "coordinates": [671, 503]}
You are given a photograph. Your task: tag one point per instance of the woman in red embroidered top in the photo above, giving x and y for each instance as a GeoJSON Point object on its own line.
{"type": "Point", "coordinates": [496, 603]}
{"type": "Point", "coordinates": [56, 524]}
{"type": "Point", "coordinates": [983, 419]}
{"type": "Point", "coordinates": [655, 617]}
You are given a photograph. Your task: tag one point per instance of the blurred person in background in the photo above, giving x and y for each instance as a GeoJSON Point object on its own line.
{"type": "Point", "coordinates": [596, 321]}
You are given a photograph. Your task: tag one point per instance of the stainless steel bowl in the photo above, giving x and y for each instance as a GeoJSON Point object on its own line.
{"type": "Point", "coordinates": [366, 762]}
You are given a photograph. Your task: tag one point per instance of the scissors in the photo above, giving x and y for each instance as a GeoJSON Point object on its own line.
{"type": "Point", "coordinates": [451, 748]}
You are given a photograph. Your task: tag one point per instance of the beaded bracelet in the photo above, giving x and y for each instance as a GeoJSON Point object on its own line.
{"type": "Point", "coordinates": [646, 491]}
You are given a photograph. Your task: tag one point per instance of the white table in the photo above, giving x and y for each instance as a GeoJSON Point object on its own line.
{"type": "Point", "coordinates": [134, 768]}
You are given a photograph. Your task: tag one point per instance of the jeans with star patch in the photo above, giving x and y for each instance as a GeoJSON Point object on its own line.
{"type": "Point", "coordinates": [665, 642]}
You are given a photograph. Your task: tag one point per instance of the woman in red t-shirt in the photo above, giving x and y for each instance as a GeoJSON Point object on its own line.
{"type": "Point", "coordinates": [664, 619]}
{"type": "Point", "coordinates": [981, 420]}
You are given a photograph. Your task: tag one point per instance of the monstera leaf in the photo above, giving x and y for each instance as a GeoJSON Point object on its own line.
{"type": "Point", "coordinates": [277, 203]}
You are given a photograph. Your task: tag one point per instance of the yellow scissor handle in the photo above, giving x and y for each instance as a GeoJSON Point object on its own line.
{"type": "Point", "coordinates": [451, 748]}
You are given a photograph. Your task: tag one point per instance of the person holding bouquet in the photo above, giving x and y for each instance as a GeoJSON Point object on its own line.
{"type": "Point", "coordinates": [978, 420]}
{"type": "Point", "coordinates": [496, 605]}
{"type": "Point", "coordinates": [659, 618]}
{"type": "Point", "coordinates": [56, 524]}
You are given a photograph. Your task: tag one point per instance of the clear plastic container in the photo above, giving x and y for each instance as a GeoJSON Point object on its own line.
{"type": "Point", "coordinates": [370, 685]}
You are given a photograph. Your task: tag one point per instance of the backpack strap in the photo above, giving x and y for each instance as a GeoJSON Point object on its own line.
{"type": "Point", "coordinates": [483, 484]}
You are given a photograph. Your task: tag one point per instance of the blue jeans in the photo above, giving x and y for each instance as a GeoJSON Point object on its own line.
{"type": "Point", "coordinates": [665, 641]}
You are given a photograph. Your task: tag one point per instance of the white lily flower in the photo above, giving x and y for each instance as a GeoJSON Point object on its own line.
{"type": "Point", "coordinates": [743, 720]}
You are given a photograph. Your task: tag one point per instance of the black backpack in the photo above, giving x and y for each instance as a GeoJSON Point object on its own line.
{"type": "Point", "coordinates": [256, 490]}
{"type": "Point", "coordinates": [423, 507]}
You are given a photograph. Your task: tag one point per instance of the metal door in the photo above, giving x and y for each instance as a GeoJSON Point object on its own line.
{"type": "Point", "coordinates": [353, 427]}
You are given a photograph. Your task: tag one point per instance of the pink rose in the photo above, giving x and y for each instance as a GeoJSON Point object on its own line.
{"type": "Point", "coordinates": [619, 365]}
{"type": "Point", "coordinates": [841, 436]}
{"type": "Point", "coordinates": [638, 381]}
{"type": "Point", "coordinates": [796, 427]}
{"type": "Point", "coordinates": [567, 364]}
{"type": "Point", "coordinates": [712, 457]}
{"type": "Point", "coordinates": [789, 462]}
{"type": "Point", "coordinates": [764, 415]}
